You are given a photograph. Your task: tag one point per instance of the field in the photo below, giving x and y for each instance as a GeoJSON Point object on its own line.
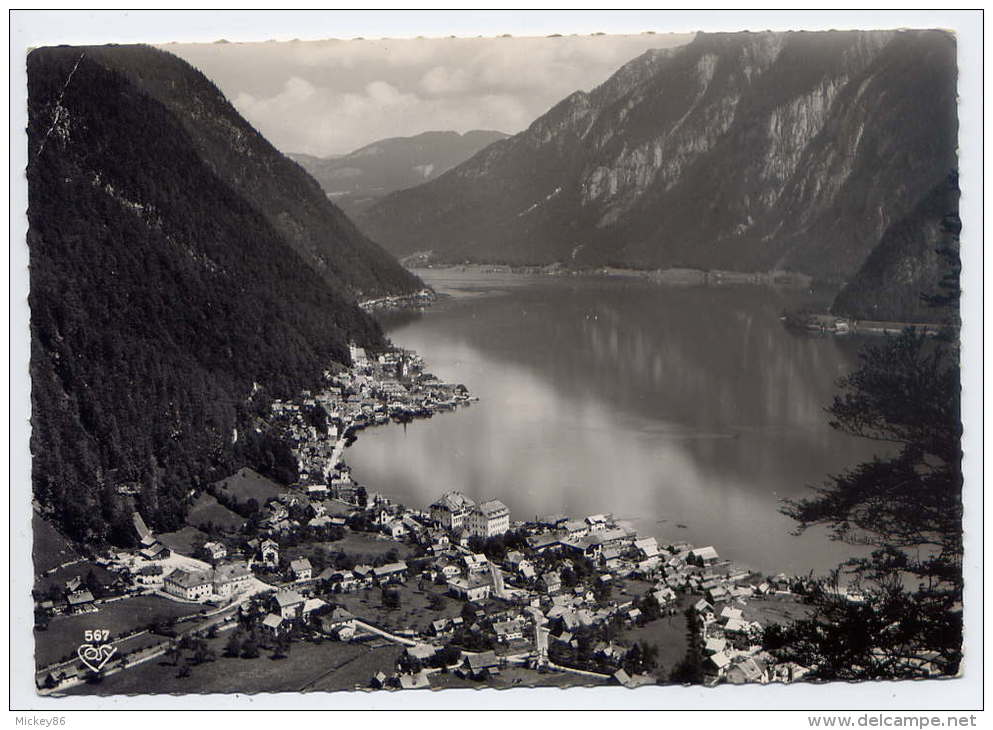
{"type": "Point", "coordinates": [65, 633]}
{"type": "Point", "coordinates": [669, 634]}
{"type": "Point", "coordinates": [182, 541]}
{"type": "Point", "coordinates": [361, 546]}
{"type": "Point", "coordinates": [51, 549]}
{"type": "Point", "coordinates": [775, 609]}
{"type": "Point", "coordinates": [60, 576]}
{"type": "Point", "coordinates": [327, 666]}
{"type": "Point", "coordinates": [246, 484]}
{"type": "Point", "coordinates": [208, 509]}
{"type": "Point", "coordinates": [413, 612]}
{"type": "Point", "coordinates": [515, 677]}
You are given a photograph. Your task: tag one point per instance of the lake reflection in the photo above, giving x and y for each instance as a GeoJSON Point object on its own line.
{"type": "Point", "coordinates": [689, 412]}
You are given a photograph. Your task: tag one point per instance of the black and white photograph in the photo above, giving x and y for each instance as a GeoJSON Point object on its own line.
{"type": "Point", "coordinates": [363, 365]}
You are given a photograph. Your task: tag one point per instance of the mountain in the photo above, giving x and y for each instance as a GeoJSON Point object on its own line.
{"type": "Point", "coordinates": [917, 254]}
{"type": "Point", "coordinates": [169, 300]}
{"type": "Point", "coordinates": [356, 180]}
{"type": "Point", "coordinates": [743, 151]}
{"type": "Point", "coordinates": [280, 189]}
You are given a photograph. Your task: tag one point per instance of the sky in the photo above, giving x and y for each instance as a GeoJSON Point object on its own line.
{"type": "Point", "coordinates": [331, 97]}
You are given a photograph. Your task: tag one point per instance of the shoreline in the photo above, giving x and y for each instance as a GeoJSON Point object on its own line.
{"type": "Point", "coordinates": [673, 276]}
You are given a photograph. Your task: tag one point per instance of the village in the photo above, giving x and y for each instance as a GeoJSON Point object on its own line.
{"type": "Point", "coordinates": [454, 593]}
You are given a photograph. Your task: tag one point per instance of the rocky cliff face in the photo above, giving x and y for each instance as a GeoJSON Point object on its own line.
{"type": "Point", "coordinates": [741, 151]}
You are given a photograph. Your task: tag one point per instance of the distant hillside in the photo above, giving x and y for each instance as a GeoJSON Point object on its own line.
{"type": "Point", "coordinates": [914, 257]}
{"type": "Point", "coordinates": [167, 304]}
{"type": "Point", "coordinates": [740, 151]}
{"type": "Point", "coordinates": [356, 180]}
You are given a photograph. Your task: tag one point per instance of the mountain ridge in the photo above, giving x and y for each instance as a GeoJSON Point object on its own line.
{"type": "Point", "coordinates": [357, 179]}
{"type": "Point", "coordinates": [748, 152]}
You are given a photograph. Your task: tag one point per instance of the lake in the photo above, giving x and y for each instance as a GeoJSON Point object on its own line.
{"type": "Point", "coordinates": [689, 413]}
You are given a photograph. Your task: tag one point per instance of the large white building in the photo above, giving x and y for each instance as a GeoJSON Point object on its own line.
{"type": "Point", "coordinates": [189, 585]}
{"type": "Point", "coordinates": [489, 519]}
{"type": "Point", "coordinates": [452, 510]}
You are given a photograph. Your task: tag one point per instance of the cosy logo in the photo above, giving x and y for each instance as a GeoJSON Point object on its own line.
{"type": "Point", "coordinates": [95, 653]}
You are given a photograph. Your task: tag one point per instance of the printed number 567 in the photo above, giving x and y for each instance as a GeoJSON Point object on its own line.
{"type": "Point", "coordinates": [96, 634]}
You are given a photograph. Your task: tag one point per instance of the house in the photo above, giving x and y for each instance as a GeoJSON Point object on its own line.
{"type": "Point", "coordinates": [632, 680]}
{"type": "Point", "coordinates": [717, 594]}
{"type": "Point", "coordinates": [473, 588]}
{"type": "Point", "coordinates": [318, 491]}
{"type": "Point", "coordinates": [321, 521]}
{"type": "Point", "coordinates": [648, 547]}
{"type": "Point", "coordinates": [705, 556]}
{"type": "Point", "coordinates": [390, 573]}
{"type": "Point", "coordinates": [438, 540]}
{"type": "Point", "coordinates": [714, 645]}
{"type": "Point", "coordinates": [480, 666]}
{"type": "Point", "coordinates": [341, 580]}
{"type": "Point", "coordinates": [363, 575]}
{"type": "Point", "coordinates": [526, 569]}
{"type": "Point", "coordinates": [78, 601]}
{"type": "Point", "coordinates": [476, 563]}
{"type": "Point", "coordinates": [272, 624]}
{"type": "Point", "coordinates": [155, 551]}
{"type": "Point", "coordinates": [718, 663]}
{"type": "Point", "coordinates": [545, 541]}
{"type": "Point", "coordinates": [507, 631]}
{"type": "Point", "coordinates": [215, 550]}
{"type": "Point", "coordinates": [440, 626]}
{"type": "Point", "coordinates": [452, 510]}
{"type": "Point", "coordinates": [550, 582]}
{"type": "Point", "coordinates": [270, 553]}
{"type": "Point", "coordinates": [649, 566]}
{"type": "Point", "coordinates": [189, 585]}
{"type": "Point", "coordinates": [301, 569]}
{"type": "Point", "coordinates": [415, 681]}
{"type": "Point", "coordinates": [611, 558]}
{"type": "Point", "coordinates": [576, 528]}
{"type": "Point", "coordinates": [311, 605]}
{"type": "Point", "coordinates": [596, 523]}
{"type": "Point", "coordinates": [231, 578]}
{"type": "Point", "coordinates": [448, 570]}
{"type": "Point", "coordinates": [728, 613]}
{"type": "Point", "coordinates": [289, 604]}
{"type": "Point", "coordinates": [744, 671]}
{"type": "Point", "coordinates": [395, 529]}
{"type": "Point", "coordinates": [489, 519]}
{"type": "Point", "coordinates": [703, 608]}
{"type": "Point", "coordinates": [337, 622]}
{"type": "Point", "coordinates": [148, 574]}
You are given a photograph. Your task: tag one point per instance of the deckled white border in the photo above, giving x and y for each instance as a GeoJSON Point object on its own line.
{"type": "Point", "coordinates": [34, 28]}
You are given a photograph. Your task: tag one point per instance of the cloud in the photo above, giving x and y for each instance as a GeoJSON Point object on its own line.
{"type": "Point", "coordinates": [326, 97]}
{"type": "Point", "coordinates": [441, 80]}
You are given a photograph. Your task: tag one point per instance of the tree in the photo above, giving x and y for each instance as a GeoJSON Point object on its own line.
{"type": "Point", "coordinates": [250, 649]}
{"type": "Point", "coordinates": [907, 507]}
{"type": "Point", "coordinates": [391, 599]}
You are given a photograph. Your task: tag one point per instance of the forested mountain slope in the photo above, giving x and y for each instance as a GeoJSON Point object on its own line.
{"type": "Point", "coordinates": [166, 306]}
